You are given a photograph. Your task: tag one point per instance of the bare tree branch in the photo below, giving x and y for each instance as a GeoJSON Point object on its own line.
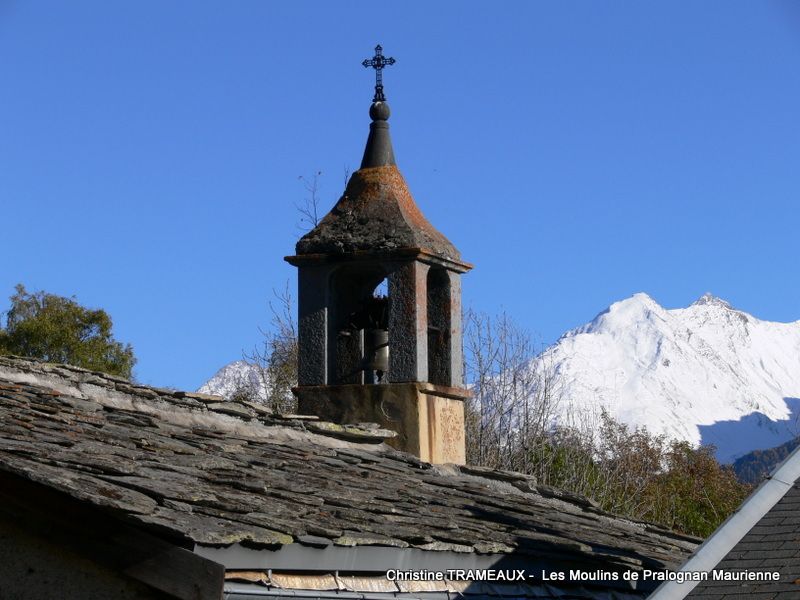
{"type": "Point", "coordinates": [309, 207]}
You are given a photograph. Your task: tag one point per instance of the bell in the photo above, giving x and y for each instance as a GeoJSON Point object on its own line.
{"type": "Point", "coordinates": [377, 351]}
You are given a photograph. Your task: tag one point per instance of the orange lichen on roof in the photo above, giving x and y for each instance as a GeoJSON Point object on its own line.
{"type": "Point", "coordinates": [376, 212]}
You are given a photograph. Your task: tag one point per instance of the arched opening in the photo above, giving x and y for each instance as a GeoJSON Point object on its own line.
{"type": "Point", "coordinates": [358, 325]}
{"type": "Point", "coordinates": [439, 337]}
{"type": "Point", "coordinates": [376, 335]}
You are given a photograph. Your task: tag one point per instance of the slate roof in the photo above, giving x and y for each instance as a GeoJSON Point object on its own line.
{"type": "Point", "coordinates": [211, 474]}
{"type": "Point", "coordinates": [762, 536]}
{"type": "Point", "coordinates": [774, 545]}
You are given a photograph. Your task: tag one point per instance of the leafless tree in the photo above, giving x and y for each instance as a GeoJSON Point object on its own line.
{"type": "Point", "coordinates": [514, 393]}
{"type": "Point", "coordinates": [275, 359]}
{"type": "Point", "coordinates": [273, 362]}
{"type": "Point", "coordinates": [517, 420]}
{"type": "Point", "coordinates": [309, 207]}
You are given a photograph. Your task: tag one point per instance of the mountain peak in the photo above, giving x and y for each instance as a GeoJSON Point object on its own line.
{"type": "Point", "coordinates": [637, 304]}
{"type": "Point", "coordinates": [710, 299]}
{"type": "Point", "coordinates": [709, 373]}
{"type": "Point", "coordinates": [642, 298]}
{"type": "Point", "coordinates": [638, 308]}
{"type": "Point", "coordinates": [235, 377]}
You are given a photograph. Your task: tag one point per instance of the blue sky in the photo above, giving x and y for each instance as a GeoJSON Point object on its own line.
{"type": "Point", "coordinates": [576, 152]}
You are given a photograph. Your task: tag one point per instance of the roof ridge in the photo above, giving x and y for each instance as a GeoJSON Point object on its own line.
{"type": "Point", "coordinates": [72, 380]}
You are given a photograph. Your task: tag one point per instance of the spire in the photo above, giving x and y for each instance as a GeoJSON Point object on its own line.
{"type": "Point", "coordinates": [376, 215]}
{"type": "Point", "coordinates": [379, 152]}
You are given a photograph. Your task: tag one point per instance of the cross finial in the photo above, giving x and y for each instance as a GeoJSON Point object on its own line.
{"type": "Point", "coordinates": [378, 62]}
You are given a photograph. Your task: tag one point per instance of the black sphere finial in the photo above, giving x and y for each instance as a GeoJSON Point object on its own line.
{"type": "Point", "coordinates": [378, 62]}
{"type": "Point", "coordinates": [379, 111]}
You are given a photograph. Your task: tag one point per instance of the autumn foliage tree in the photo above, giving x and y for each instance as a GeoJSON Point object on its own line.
{"type": "Point", "coordinates": [58, 329]}
{"type": "Point", "coordinates": [693, 493]}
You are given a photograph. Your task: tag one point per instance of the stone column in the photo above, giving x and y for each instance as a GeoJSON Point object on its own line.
{"type": "Point", "coordinates": [456, 332]}
{"type": "Point", "coordinates": [312, 328]}
{"type": "Point", "coordinates": [408, 323]}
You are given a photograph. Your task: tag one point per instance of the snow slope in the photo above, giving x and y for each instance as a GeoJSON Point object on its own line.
{"type": "Point", "coordinates": [707, 373]}
{"type": "Point", "coordinates": [236, 376]}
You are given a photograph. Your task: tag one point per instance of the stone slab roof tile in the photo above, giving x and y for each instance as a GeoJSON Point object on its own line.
{"type": "Point", "coordinates": [773, 544]}
{"type": "Point", "coordinates": [172, 464]}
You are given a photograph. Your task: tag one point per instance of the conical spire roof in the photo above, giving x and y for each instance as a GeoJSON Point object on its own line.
{"type": "Point", "coordinates": [379, 151]}
{"type": "Point", "coordinates": [377, 212]}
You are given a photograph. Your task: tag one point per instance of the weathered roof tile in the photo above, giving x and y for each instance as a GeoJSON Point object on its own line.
{"type": "Point", "coordinates": [218, 479]}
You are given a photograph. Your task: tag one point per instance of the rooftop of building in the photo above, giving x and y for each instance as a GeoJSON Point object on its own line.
{"type": "Point", "coordinates": [230, 481]}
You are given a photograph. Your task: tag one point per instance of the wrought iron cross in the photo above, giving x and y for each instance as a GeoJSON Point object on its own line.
{"type": "Point", "coordinates": [378, 62]}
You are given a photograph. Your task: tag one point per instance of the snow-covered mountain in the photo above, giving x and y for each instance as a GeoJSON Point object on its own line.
{"type": "Point", "coordinates": [707, 373]}
{"type": "Point", "coordinates": [234, 377]}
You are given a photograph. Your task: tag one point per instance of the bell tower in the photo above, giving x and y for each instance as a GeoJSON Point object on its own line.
{"type": "Point", "coordinates": [379, 299]}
